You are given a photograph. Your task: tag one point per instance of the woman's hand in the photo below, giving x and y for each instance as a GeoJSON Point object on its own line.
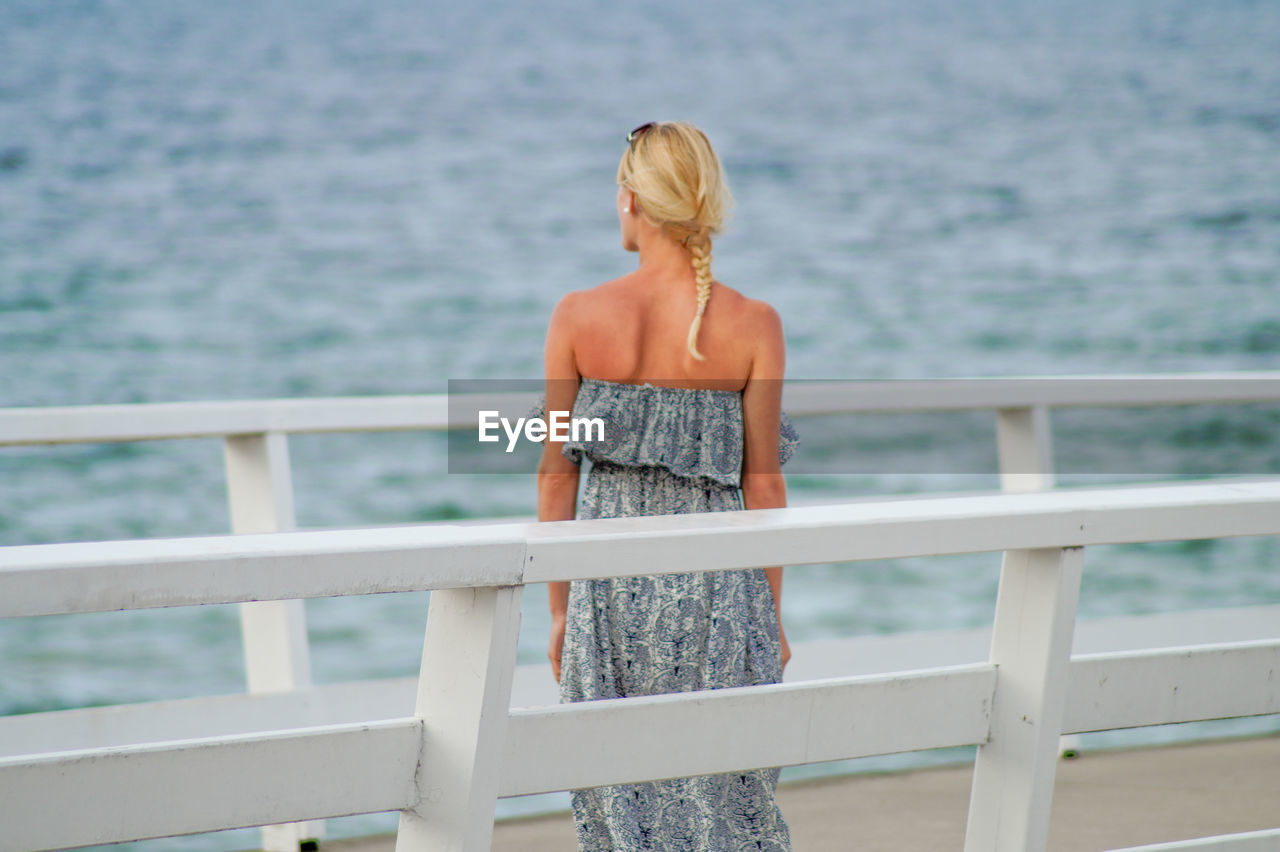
{"type": "Point", "coordinates": [782, 642]}
{"type": "Point", "coordinates": [557, 645]}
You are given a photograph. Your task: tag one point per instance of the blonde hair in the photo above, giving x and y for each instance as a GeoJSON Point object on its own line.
{"type": "Point", "coordinates": [679, 186]}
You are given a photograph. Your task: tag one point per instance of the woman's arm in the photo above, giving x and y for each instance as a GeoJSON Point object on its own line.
{"type": "Point", "coordinates": [557, 476]}
{"type": "Point", "coordinates": [762, 484]}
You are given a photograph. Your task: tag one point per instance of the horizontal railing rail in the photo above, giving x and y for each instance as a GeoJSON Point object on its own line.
{"type": "Point", "coordinates": [164, 789]}
{"type": "Point", "coordinates": [1110, 639]}
{"type": "Point", "coordinates": [444, 766]}
{"type": "Point", "coordinates": [533, 686]}
{"type": "Point", "coordinates": [158, 421]}
{"type": "Point", "coordinates": [1267, 840]}
{"type": "Point", "coordinates": [46, 579]}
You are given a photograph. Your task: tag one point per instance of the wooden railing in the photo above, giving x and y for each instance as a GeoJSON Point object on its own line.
{"type": "Point", "coordinates": [444, 766]}
{"type": "Point", "coordinates": [259, 476]}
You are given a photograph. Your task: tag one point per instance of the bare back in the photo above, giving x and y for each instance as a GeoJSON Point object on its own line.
{"type": "Point", "coordinates": [633, 329]}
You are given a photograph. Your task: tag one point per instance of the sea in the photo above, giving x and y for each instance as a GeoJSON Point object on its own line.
{"type": "Point", "coordinates": [286, 199]}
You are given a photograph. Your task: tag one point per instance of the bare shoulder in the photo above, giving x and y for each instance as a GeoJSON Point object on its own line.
{"type": "Point", "coordinates": [578, 305]}
{"type": "Point", "coordinates": [566, 313]}
{"type": "Point", "coordinates": [762, 325]}
{"type": "Point", "coordinates": [764, 317]}
{"type": "Point", "coordinates": [754, 316]}
{"type": "Point", "coordinates": [585, 303]}
{"type": "Point", "coordinates": [743, 307]}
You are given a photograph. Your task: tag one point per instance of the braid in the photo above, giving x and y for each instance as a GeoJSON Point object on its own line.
{"type": "Point", "coordinates": [700, 247]}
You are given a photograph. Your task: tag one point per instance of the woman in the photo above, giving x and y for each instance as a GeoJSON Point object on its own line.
{"type": "Point", "coordinates": [686, 374]}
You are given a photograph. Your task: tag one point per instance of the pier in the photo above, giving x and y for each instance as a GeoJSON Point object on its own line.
{"type": "Point", "coordinates": [442, 748]}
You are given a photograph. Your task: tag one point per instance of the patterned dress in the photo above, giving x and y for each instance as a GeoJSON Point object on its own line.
{"type": "Point", "coordinates": [670, 451]}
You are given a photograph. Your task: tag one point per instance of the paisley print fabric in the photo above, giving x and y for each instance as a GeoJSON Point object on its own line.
{"type": "Point", "coordinates": [670, 451]}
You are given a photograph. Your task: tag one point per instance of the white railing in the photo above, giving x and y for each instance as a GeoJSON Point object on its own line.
{"type": "Point", "coordinates": [1249, 841]}
{"type": "Point", "coordinates": [259, 477]}
{"type": "Point", "coordinates": [444, 766]}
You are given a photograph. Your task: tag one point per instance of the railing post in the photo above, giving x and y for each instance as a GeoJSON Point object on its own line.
{"type": "Point", "coordinates": [464, 696]}
{"type": "Point", "coordinates": [1025, 449]}
{"type": "Point", "coordinates": [1031, 648]}
{"type": "Point", "coordinates": [274, 633]}
{"type": "Point", "coordinates": [1024, 443]}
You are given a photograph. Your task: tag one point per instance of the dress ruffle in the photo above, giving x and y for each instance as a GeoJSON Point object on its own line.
{"type": "Point", "coordinates": [692, 432]}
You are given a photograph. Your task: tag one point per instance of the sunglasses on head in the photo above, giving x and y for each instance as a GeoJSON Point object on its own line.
{"type": "Point", "coordinates": [636, 134]}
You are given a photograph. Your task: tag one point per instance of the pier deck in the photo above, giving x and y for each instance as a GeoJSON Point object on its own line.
{"type": "Point", "coordinates": [1102, 800]}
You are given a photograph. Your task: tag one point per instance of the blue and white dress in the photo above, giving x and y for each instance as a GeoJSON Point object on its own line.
{"type": "Point", "coordinates": [670, 451]}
